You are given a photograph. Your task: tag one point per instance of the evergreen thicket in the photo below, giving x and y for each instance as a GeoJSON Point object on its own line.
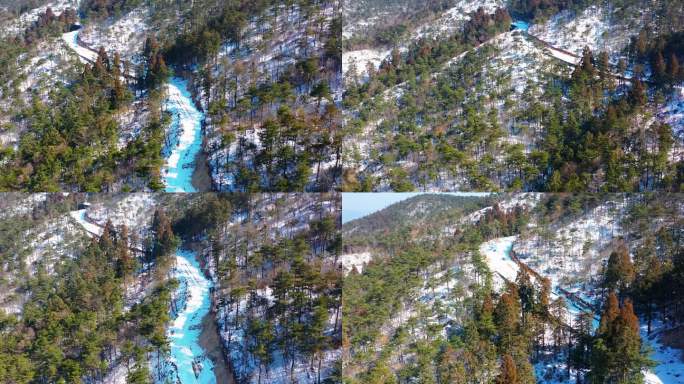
{"type": "Point", "coordinates": [73, 326]}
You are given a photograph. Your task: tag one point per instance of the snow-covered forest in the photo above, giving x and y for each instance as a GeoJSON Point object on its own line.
{"type": "Point", "coordinates": [518, 95]}
{"type": "Point", "coordinates": [114, 95]}
{"type": "Point", "coordinates": [158, 288]}
{"type": "Point", "coordinates": [516, 288]}
{"type": "Point", "coordinates": [172, 175]}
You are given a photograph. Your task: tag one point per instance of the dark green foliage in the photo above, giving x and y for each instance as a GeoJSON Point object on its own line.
{"type": "Point", "coordinates": [540, 9]}
{"type": "Point", "coordinates": [101, 9]}
{"type": "Point", "coordinates": [204, 215]}
{"type": "Point", "coordinates": [73, 320]}
{"type": "Point", "coordinates": [156, 72]}
{"type": "Point", "coordinates": [75, 143]}
{"type": "Point", "coordinates": [619, 272]}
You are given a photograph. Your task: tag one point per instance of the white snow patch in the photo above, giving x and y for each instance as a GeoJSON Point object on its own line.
{"type": "Point", "coordinates": [350, 261]}
{"type": "Point", "coordinates": [497, 255]}
{"type": "Point", "coordinates": [362, 58]}
{"type": "Point", "coordinates": [670, 361]}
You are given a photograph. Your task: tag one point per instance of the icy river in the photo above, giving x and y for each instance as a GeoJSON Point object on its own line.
{"type": "Point", "coordinates": [192, 304]}
{"type": "Point", "coordinates": [184, 139]}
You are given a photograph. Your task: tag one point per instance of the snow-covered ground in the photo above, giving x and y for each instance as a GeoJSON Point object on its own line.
{"type": "Point", "coordinates": [572, 251]}
{"type": "Point", "coordinates": [28, 18]}
{"type": "Point", "coordinates": [245, 367]}
{"type": "Point", "coordinates": [592, 27]}
{"type": "Point", "coordinates": [525, 201]}
{"type": "Point", "coordinates": [672, 112]}
{"type": "Point", "coordinates": [135, 211]}
{"type": "Point", "coordinates": [446, 23]}
{"type": "Point", "coordinates": [184, 139]}
{"type": "Point", "coordinates": [454, 18]}
{"type": "Point", "coordinates": [669, 367]}
{"type": "Point", "coordinates": [518, 57]}
{"type": "Point", "coordinates": [570, 258]}
{"type": "Point", "coordinates": [361, 59]}
{"type": "Point", "coordinates": [126, 35]}
{"type": "Point", "coordinates": [86, 55]}
{"type": "Point", "coordinates": [350, 261]}
{"type": "Point", "coordinates": [497, 253]}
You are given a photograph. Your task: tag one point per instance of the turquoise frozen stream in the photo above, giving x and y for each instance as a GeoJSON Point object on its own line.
{"type": "Point", "coordinates": [521, 25]}
{"type": "Point", "coordinates": [193, 303]}
{"type": "Point", "coordinates": [184, 140]}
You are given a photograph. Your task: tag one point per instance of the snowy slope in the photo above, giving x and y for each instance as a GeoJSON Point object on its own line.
{"type": "Point", "coordinates": [669, 367]}
{"type": "Point", "coordinates": [361, 59]}
{"type": "Point", "coordinates": [350, 261]}
{"type": "Point", "coordinates": [28, 18]}
{"type": "Point", "coordinates": [672, 112]}
{"type": "Point", "coordinates": [593, 27]}
{"type": "Point", "coordinates": [125, 35]}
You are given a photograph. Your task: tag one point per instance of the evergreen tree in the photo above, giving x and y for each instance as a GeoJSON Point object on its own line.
{"type": "Point", "coordinates": [616, 355]}
{"type": "Point", "coordinates": [507, 318]}
{"type": "Point", "coordinates": [509, 372]}
{"type": "Point", "coordinates": [619, 272]}
{"type": "Point", "coordinates": [450, 367]}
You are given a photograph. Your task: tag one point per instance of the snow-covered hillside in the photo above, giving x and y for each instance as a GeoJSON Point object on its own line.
{"type": "Point", "coordinates": [125, 35]}
{"type": "Point", "coordinates": [595, 27]}
{"type": "Point", "coordinates": [563, 241]}
{"type": "Point", "coordinates": [26, 19]}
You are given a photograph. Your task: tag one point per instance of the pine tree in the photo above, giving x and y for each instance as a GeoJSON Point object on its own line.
{"type": "Point", "coordinates": [485, 318]}
{"type": "Point", "coordinates": [616, 355]}
{"type": "Point", "coordinates": [507, 317]}
{"type": "Point", "coordinates": [619, 272]}
{"type": "Point", "coordinates": [261, 346]}
{"type": "Point", "coordinates": [509, 372]}
{"type": "Point", "coordinates": [164, 241]}
{"type": "Point", "coordinates": [318, 339]}
{"type": "Point", "coordinates": [125, 261]}
{"type": "Point", "coordinates": [525, 292]}
{"type": "Point", "coordinates": [450, 367]}
{"type": "Point", "coordinates": [381, 374]}
{"type": "Point", "coordinates": [637, 95]}
{"type": "Point", "coordinates": [673, 68]}
{"type": "Point", "coordinates": [660, 67]}
{"type": "Point", "coordinates": [118, 90]}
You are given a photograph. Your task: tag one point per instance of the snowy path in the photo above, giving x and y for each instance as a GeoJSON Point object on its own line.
{"type": "Point", "coordinates": [184, 139]}
{"type": "Point", "coordinates": [84, 54]}
{"type": "Point", "coordinates": [80, 217]}
{"type": "Point", "coordinates": [497, 253]}
{"type": "Point", "coordinates": [193, 303]}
